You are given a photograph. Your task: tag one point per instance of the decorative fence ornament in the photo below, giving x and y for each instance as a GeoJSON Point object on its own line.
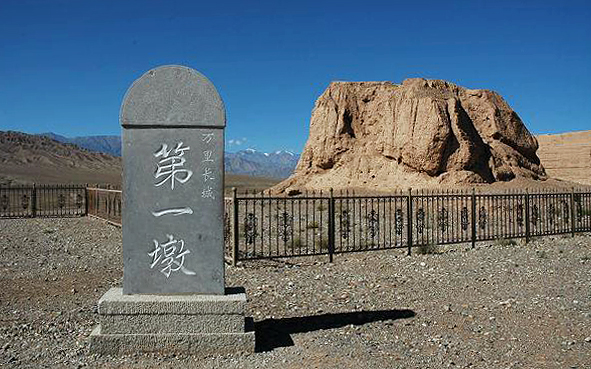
{"type": "Point", "coordinates": [443, 219]}
{"type": "Point", "coordinates": [25, 201]}
{"type": "Point", "coordinates": [61, 200]}
{"type": "Point", "coordinates": [285, 226]}
{"type": "Point", "coordinates": [551, 213]}
{"type": "Point", "coordinates": [520, 215]}
{"type": "Point", "coordinates": [250, 228]}
{"type": "Point", "coordinates": [345, 223]}
{"type": "Point", "coordinates": [79, 200]}
{"type": "Point", "coordinates": [464, 218]}
{"type": "Point", "coordinates": [4, 202]}
{"type": "Point", "coordinates": [565, 211]}
{"type": "Point", "coordinates": [373, 223]}
{"type": "Point", "coordinates": [399, 222]}
{"type": "Point", "coordinates": [482, 217]}
{"type": "Point", "coordinates": [534, 215]}
{"type": "Point", "coordinates": [420, 220]}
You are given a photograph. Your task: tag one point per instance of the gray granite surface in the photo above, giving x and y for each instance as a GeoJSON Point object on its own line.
{"type": "Point", "coordinates": [114, 302]}
{"type": "Point", "coordinates": [173, 175]}
{"type": "Point", "coordinates": [173, 95]}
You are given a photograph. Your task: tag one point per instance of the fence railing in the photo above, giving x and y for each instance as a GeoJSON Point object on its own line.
{"type": "Point", "coordinates": [258, 226]}
{"type": "Point", "coordinates": [105, 204]}
{"type": "Point", "coordinates": [42, 201]}
{"type": "Point", "coordinates": [262, 226]}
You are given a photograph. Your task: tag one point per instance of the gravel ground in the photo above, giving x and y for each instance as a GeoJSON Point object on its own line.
{"type": "Point", "coordinates": [501, 305]}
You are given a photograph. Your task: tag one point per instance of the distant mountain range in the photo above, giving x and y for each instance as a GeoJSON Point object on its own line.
{"type": "Point", "coordinates": [28, 158]}
{"type": "Point", "coordinates": [106, 144]}
{"type": "Point", "coordinates": [278, 164]}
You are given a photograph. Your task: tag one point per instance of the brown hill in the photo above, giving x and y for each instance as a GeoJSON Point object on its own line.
{"type": "Point", "coordinates": [424, 133]}
{"type": "Point", "coordinates": [26, 159]}
{"type": "Point", "coordinates": [567, 156]}
{"type": "Point", "coordinates": [29, 158]}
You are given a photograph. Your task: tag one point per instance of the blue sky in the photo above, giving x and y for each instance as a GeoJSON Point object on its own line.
{"type": "Point", "coordinates": [65, 65]}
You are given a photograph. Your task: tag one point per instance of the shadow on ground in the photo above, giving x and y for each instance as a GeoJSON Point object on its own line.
{"type": "Point", "coordinates": [274, 333]}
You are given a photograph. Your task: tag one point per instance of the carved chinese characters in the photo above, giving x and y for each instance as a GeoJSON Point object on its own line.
{"type": "Point", "coordinates": [171, 167]}
{"type": "Point", "coordinates": [173, 121]}
{"type": "Point", "coordinates": [172, 253]}
{"type": "Point", "coordinates": [208, 161]}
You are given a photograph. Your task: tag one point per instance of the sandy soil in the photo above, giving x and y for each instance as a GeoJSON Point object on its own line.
{"type": "Point", "coordinates": [502, 305]}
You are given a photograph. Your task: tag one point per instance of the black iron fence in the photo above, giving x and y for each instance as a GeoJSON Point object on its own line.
{"type": "Point", "coordinates": [258, 226]}
{"type": "Point", "coordinates": [261, 226]}
{"type": "Point", "coordinates": [42, 201]}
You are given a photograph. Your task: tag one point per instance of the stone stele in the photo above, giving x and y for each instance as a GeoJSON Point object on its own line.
{"type": "Point", "coordinates": [174, 297]}
{"type": "Point", "coordinates": [173, 123]}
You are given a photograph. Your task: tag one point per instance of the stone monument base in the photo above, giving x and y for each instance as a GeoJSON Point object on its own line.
{"type": "Point", "coordinates": [190, 324]}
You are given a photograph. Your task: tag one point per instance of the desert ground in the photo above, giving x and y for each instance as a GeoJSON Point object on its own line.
{"type": "Point", "coordinates": [244, 183]}
{"type": "Point", "coordinates": [502, 305]}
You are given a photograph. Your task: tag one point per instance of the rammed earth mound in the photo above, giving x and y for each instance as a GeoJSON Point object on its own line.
{"type": "Point", "coordinates": [423, 133]}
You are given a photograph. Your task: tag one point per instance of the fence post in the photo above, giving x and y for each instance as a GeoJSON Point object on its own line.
{"type": "Point", "coordinates": [236, 236]}
{"type": "Point", "coordinates": [409, 216]}
{"type": "Point", "coordinates": [473, 211]}
{"type": "Point", "coordinates": [527, 231]}
{"type": "Point", "coordinates": [572, 211]}
{"type": "Point", "coordinates": [86, 199]}
{"type": "Point", "coordinates": [331, 226]}
{"type": "Point", "coordinates": [97, 194]}
{"type": "Point", "coordinates": [34, 201]}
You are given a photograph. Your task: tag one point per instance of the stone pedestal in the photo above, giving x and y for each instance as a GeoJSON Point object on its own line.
{"type": "Point", "coordinates": [190, 324]}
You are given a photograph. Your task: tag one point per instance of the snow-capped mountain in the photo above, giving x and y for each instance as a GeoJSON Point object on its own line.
{"type": "Point", "coordinates": [278, 164]}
